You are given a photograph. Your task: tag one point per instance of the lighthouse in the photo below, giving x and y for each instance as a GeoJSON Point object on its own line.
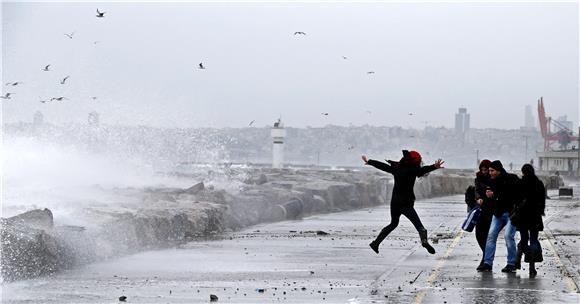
{"type": "Point", "coordinates": [278, 133]}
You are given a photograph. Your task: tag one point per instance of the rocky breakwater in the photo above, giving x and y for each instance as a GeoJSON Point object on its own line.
{"type": "Point", "coordinates": [275, 195]}
{"type": "Point", "coordinates": [34, 245]}
{"type": "Point", "coordinates": [441, 183]}
{"type": "Point", "coordinates": [29, 247]}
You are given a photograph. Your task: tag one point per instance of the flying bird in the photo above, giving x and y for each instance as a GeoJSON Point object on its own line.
{"type": "Point", "coordinates": [94, 98]}
{"type": "Point", "coordinates": [101, 14]}
{"type": "Point", "coordinates": [344, 57]}
{"type": "Point", "coordinates": [369, 112]}
{"type": "Point", "coordinates": [58, 98]}
{"type": "Point", "coordinates": [70, 36]}
{"type": "Point", "coordinates": [44, 101]}
{"type": "Point", "coordinates": [46, 68]}
{"type": "Point", "coordinates": [200, 66]}
{"type": "Point", "coordinates": [6, 96]}
{"type": "Point", "coordinates": [14, 83]}
{"type": "Point", "coordinates": [251, 123]}
{"type": "Point", "coordinates": [370, 72]}
{"type": "Point", "coordinates": [325, 114]}
{"type": "Point", "coordinates": [410, 114]}
{"type": "Point", "coordinates": [64, 79]}
{"type": "Point", "coordinates": [299, 33]}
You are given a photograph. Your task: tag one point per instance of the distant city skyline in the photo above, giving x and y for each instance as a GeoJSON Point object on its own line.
{"type": "Point", "coordinates": [529, 121]}
{"type": "Point", "coordinates": [381, 64]}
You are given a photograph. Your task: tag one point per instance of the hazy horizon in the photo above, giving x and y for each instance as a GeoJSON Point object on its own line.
{"type": "Point", "coordinates": [257, 126]}
{"type": "Point", "coordinates": [140, 62]}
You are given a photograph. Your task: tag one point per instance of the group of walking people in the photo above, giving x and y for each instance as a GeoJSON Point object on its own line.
{"type": "Point", "coordinates": [506, 201]}
{"type": "Point", "coordinates": [516, 204]}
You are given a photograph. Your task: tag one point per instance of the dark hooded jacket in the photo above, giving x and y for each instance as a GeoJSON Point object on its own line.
{"type": "Point", "coordinates": [481, 185]}
{"type": "Point", "coordinates": [506, 192]}
{"type": "Point", "coordinates": [531, 207]}
{"type": "Point", "coordinates": [405, 176]}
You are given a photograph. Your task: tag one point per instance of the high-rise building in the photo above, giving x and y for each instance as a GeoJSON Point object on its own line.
{"type": "Point", "coordinates": [530, 122]}
{"type": "Point", "coordinates": [461, 121]}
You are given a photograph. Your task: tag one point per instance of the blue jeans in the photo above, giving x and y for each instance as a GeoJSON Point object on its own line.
{"type": "Point", "coordinates": [497, 224]}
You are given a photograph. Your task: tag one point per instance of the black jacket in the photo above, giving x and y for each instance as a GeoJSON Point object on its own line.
{"type": "Point", "coordinates": [532, 206]}
{"type": "Point", "coordinates": [506, 193]}
{"type": "Point", "coordinates": [481, 185]}
{"type": "Point", "coordinates": [405, 176]}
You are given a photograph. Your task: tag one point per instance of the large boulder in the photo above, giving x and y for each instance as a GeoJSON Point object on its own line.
{"type": "Point", "coordinates": [28, 247]}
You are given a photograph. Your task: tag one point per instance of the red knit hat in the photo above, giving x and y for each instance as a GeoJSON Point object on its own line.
{"type": "Point", "coordinates": [484, 163]}
{"type": "Point", "coordinates": [414, 158]}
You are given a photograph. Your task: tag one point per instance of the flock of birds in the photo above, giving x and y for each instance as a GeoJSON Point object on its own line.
{"type": "Point", "coordinates": [8, 95]}
{"type": "Point", "coordinates": [63, 81]}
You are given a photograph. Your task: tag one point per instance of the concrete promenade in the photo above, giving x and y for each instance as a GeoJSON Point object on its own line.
{"type": "Point", "coordinates": [289, 262]}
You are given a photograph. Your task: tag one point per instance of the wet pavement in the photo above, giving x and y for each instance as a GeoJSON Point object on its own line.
{"type": "Point", "coordinates": [289, 262]}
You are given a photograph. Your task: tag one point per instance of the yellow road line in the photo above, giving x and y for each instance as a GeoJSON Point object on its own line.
{"type": "Point", "coordinates": [437, 271]}
{"type": "Point", "coordinates": [570, 283]}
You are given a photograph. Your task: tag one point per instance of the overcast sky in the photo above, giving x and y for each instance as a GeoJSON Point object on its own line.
{"type": "Point", "coordinates": [140, 62]}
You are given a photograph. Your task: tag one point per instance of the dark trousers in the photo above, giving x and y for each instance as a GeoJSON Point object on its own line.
{"type": "Point", "coordinates": [481, 230]}
{"type": "Point", "coordinates": [396, 212]}
{"type": "Point", "coordinates": [533, 250]}
{"type": "Point", "coordinates": [532, 237]}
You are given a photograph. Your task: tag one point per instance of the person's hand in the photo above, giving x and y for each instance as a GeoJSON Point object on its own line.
{"type": "Point", "coordinates": [439, 163]}
{"type": "Point", "coordinates": [489, 193]}
{"type": "Point", "coordinates": [479, 201]}
{"type": "Point", "coordinates": [365, 159]}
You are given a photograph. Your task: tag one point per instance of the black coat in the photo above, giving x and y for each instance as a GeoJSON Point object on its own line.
{"type": "Point", "coordinates": [531, 208]}
{"type": "Point", "coordinates": [481, 184]}
{"type": "Point", "coordinates": [506, 193]}
{"type": "Point", "coordinates": [405, 176]}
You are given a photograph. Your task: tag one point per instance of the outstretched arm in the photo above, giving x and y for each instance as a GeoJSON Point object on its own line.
{"type": "Point", "coordinates": [426, 169]}
{"type": "Point", "coordinates": [377, 164]}
{"type": "Point", "coordinates": [392, 162]}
